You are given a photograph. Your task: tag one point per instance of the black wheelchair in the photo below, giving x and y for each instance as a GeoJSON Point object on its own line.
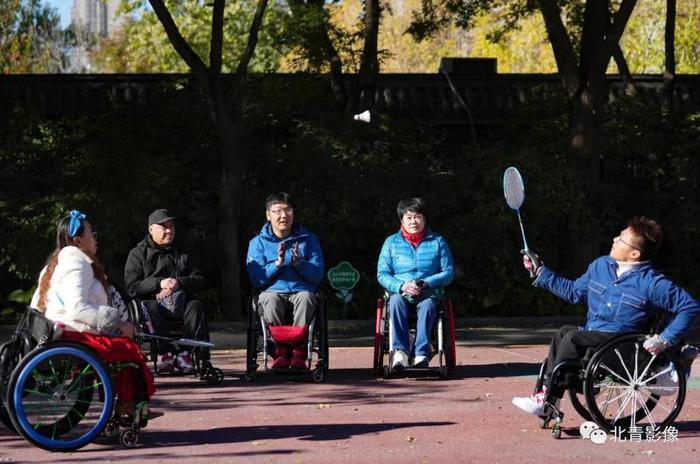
{"type": "Point", "coordinates": [58, 394]}
{"type": "Point", "coordinates": [260, 345]}
{"type": "Point", "coordinates": [620, 386]}
{"type": "Point", "coordinates": [443, 342]}
{"type": "Point", "coordinates": [199, 347]}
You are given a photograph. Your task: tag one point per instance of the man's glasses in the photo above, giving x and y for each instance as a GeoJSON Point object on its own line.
{"type": "Point", "coordinates": [619, 238]}
{"type": "Point", "coordinates": [278, 212]}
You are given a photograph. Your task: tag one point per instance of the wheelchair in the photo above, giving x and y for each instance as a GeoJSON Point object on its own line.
{"type": "Point", "coordinates": [620, 386]}
{"type": "Point", "coordinates": [260, 345]}
{"type": "Point", "coordinates": [58, 394]}
{"type": "Point", "coordinates": [442, 344]}
{"type": "Point", "coordinates": [200, 351]}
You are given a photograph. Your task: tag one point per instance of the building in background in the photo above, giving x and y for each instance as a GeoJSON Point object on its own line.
{"type": "Point", "coordinates": [96, 17]}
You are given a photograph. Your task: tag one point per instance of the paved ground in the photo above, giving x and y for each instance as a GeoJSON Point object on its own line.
{"type": "Point", "coordinates": [353, 417]}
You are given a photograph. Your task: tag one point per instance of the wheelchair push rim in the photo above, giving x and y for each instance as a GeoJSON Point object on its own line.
{"type": "Point", "coordinates": [60, 397]}
{"type": "Point", "coordinates": [625, 389]}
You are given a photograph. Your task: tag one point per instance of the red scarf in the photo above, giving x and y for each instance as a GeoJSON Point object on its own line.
{"type": "Point", "coordinates": [413, 239]}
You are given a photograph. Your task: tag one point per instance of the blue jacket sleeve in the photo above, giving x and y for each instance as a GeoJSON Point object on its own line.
{"type": "Point", "coordinates": [447, 270]}
{"type": "Point", "coordinates": [684, 308]}
{"type": "Point", "coordinates": [310, 266]}
{"type": "Point", "coordinates": [385, 269]}
{"type": "Point", "coordinates": [573, 291]}
{"type": "Point", "coordinates": [260, 269]}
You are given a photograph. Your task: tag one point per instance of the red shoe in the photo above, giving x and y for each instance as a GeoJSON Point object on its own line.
{"type": "Point", "coordinates": [281, 358]}
{"type": "Point", "coordinates": [299, 358]}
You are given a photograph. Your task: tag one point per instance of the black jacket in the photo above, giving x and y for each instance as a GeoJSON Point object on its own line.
{"type": "Point", "coordinates": [148, 264]}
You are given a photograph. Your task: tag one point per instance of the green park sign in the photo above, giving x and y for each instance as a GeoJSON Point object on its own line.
{"type": "Point", "coordinates": [343, 278]}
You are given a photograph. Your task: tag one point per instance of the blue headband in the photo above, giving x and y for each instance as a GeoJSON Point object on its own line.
{"type": "Point", "coordinates": [76, 220]}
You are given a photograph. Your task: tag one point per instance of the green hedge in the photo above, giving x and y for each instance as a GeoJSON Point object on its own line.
{"type": "Point", "coordinates": [346, 178]}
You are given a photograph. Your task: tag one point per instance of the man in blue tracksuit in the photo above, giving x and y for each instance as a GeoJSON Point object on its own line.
{"type": "Point", "coordinates": [415, 265]}
{"type": "Point", "coordinates": [285, 262]}
{"type": "Point", "coordinates": [623, 293]}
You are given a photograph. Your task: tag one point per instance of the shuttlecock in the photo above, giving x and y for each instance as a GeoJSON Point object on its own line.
{"type": "Point", "coordinates": [365, 116]}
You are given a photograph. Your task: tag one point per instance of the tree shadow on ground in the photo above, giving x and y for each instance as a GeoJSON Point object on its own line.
{"type": "Point", "coordinates": [309, 432]}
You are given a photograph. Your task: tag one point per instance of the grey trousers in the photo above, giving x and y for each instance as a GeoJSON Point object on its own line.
{"type": "Point", "coordinates": [274, 307]}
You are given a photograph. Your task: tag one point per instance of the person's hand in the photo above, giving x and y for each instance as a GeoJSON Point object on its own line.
{"type": "Point", "coordinates": [411, 288]}
{"type": "Point", "coordinates": [531, 262]}
{"type": "Point", "coordinates": [280, 255]}
{"type": "Point", "coordinates": [655, 344]}
{"type": "Point", "coordinates": [295, 254]}
{"type": "Point", "coordinates": [163, 294]}
{"type": "Point", "coordinates": [126, 329]}
{"type": "Point", "coordinates": [169, 283]}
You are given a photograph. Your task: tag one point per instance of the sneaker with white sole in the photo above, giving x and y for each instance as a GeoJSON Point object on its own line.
{"type": "Point", "coordinates": [400, 360]}
{"type": "Point", "coordinates": [184, 362]}
{"type": "Point", "coordinates": [532, 404]}
{"type": "Point", "coordinates": [166, 363]}
{"type": "Point", "coordinates": [421, 362]}
{"type": "Point", "coordinates": [666, 384]}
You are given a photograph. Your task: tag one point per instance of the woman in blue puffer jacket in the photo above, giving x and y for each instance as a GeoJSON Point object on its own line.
{"type": "Point", "coordinates": [415, 265]}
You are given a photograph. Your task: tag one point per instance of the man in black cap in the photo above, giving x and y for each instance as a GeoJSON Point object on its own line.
{"type": "Point", "coordinates": [165, 281]}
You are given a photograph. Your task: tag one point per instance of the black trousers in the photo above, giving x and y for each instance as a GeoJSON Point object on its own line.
{"type": "Point", "coordinates": [570, 344]}
{"type": "Point", "coordinates": [193, 323]}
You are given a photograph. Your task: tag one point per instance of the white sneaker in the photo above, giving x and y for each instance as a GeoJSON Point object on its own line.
{"type": "Point", "coordinates": [421, 362]}
{"type": "Point", "coordinates": [166, 363]}
{"type": "Point", "coordinates": [665, 384]}
{"type": "Point", "coordinates": [531, 404]}
{"type": "Point", "coordinates": [184, 362]}
{"type": "Point", "coordinates": [400, 361]}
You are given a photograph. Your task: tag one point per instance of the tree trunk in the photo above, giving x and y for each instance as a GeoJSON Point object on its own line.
{"type": "Point", "coordinates": [232, 160]}
{"type": "Point", "coordinates": [227, 123]}
{"type": "Point", "coordinates": [369, 64]}
{"type": "Point", "coordinates": [624, 70]}
{"type": "Point", "coordinates": [670, 56]}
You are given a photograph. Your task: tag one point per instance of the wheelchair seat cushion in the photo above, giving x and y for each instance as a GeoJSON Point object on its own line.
{"type": "Point", "coordinates": [288, 334]}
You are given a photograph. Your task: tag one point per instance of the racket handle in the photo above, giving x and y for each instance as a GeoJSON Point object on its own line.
{"type": "Point", "coordinates": [534, 259]}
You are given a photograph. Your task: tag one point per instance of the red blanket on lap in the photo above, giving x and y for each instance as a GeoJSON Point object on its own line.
{"type": "Point", "coordinates": [119, 349]}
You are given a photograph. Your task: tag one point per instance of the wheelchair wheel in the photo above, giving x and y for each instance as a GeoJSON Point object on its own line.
{"type": "Point", "coordinates": [60, 397]}
{"type": "Point", "coordinates": [252, 336]}
{"type": "Point", "coordinates": [577, 401]}
{"type": "Point", "coordinates": [627, 387]}
{"type": "Point", "coordinates": [379, 339]}
{"type": "Point", "coordinates": [451, 348]}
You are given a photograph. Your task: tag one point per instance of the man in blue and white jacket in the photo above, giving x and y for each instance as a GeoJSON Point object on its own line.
{"type": "Point", "coordinates": [623, 293]}
{"type": "Point", "coordinates": [415, 265]}
{"type": "Point", "coordinates": [285, 263]}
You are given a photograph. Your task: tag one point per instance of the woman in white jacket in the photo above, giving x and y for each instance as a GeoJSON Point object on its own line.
{"type": "Point", "coordinates": [73, 291]}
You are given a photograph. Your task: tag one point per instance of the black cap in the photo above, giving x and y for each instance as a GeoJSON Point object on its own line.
{"type": "Point", "coordinates": [159, 216]}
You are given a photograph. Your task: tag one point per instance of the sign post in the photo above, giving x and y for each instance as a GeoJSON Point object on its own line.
{"type": "Point", "coordinates": [343, 279]}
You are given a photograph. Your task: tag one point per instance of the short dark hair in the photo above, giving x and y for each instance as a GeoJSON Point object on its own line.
{"type": "Point", "coordinates": [278, 197]}
{"type": "Point", "coordinates": [649, 235]}
{"type": "Point", "coordinates": [414, 205]}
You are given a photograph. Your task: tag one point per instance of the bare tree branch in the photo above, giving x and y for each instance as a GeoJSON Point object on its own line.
{"type": "Point", "coordinates": [614, 34]}
{"type": "Point", "coordinates": [561, 44]}
{"type": "Point", "coordinates": [217, 36]}
{"type": "Point", "coordinates": [179, 43]}
{"type": "Point", "coordinates": [252, 39]}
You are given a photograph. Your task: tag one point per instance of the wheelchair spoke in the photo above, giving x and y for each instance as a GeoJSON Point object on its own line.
{"type": "Point", "coordinates": [624, 405]}
{"type": "Point", "coordinates": [647, 411]}
{"type": "Point", "coordinates": [668, 369]}
{"type": "Point", "coordinates": [644, 372]}
{"type": "Point", "coordinates": [622, 362]}
{"type": "Point", "coordinates": [626, 382]}
{"type": "Point", "coordinates": [657, 402]}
